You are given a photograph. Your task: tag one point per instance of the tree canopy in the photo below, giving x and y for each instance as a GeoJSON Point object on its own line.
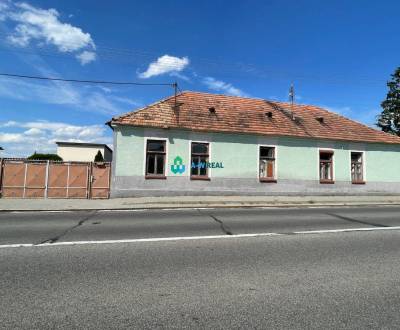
{"type": "Point", "coordinates": [99, 157]}
{"type": "Point", "coordinates": [389, 119]}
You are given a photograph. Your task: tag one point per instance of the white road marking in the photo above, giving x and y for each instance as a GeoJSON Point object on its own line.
{"type": "Point", "coordinates": [157, 239]}
{"type": "Point", "coordinates": [122, 210]}
{"type": "Point", "coordinates": [327, 231]}
{"type": "Point", "coordinates": [185, 238]}
{"type": "Point", "coordinates": [15, 245]}
{"type": "Point", "coordinates": [39, 211]}
{"type": "Point", "coordinates": [241, 206]}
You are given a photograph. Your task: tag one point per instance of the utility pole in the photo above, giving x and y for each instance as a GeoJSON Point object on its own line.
{"type": "Point", "coordinates": [175, 85]}
{"type": "Point", "coordinates": [291, 99]}
{"type": "Point", "coordinates": [291, 94]}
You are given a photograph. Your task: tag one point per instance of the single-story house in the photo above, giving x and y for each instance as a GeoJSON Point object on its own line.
{"type": "Point", "coordinates": [82, 152]}
{"type": "Point", "coordinates": [200, 143]}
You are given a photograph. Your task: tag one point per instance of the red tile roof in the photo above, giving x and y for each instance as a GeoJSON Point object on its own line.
{"type": "Point", "coordinates": [252, 116]}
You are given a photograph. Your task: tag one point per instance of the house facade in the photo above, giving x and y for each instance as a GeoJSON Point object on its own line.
{"type": "Point", "coordinates": [205, 144]}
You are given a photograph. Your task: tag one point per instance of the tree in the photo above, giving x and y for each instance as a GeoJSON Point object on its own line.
{"type": "Point", "coordinates": [99, 157]}
{"type": "Point", "coordinates": [389, 119]}
{"type": "Point", "coordinates": [37, 156]}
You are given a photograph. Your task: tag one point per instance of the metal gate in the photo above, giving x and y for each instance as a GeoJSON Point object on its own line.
{"type": "Point", "coordinates": [100, 180]}
{"type": "Point", "coordinates": [45, 179]}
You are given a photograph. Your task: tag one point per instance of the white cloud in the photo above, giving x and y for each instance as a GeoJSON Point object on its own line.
{"type": "Point", "coordinates": [344, 111]}
{"type": "Point", "coordinates": [105, 89]}
{"type": "Point", "coordinates": [11, 138]}
{"type": "Point", "coordinates": [41, 136]}
{"type": "Point", "coordinates": [3, 8]}
{"type": "Point", "coordinates": [60, 93]}
{"type": "Point", "coordinates": [180, 76]}
{"type": "Point", "coordinates": [34, 132]}
{"type": "Point", "coordinates": [365, 116]}
{"type": "Point", "coordinates": [48, 92]}
{"type": "Point", "coordinates": [100, 102]}
{"type": "Point", "coordinates": [165, 64]}
{"type": "Point", "coordinates": [126, 100]}
{"type": "Point", "coordinates": [44, 26]}
{"type": "Point", "coordinates": [86, 57]}
{"type": "Point", "coordinates": [222, 86]}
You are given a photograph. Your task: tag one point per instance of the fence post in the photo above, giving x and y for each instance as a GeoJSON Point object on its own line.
{"type": "Point", "coordinates": [26, 172]}
{"type": "Point", "coordinates": [109, 179]}
{"type": "Point", "coordinates": [46, 185]}
{"type": "Point", "coordinates": [68, 168]}
{"type": "Point", "coordinates": [90, 179]}
{"type": "Point", "coordinates": [1, 177]}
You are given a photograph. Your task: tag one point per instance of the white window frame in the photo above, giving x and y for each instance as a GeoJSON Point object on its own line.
{"type": "Point", "coordinates": [363, 161]}
{"type": "Point", "coordinates": [209, 156]}
{"type": "Point", "coordinates": [333, 163]}
{"type": "Point", "coordinates": [276, 161]}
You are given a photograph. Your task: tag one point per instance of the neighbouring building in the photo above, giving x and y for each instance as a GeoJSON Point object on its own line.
{"type": "Point", "coordinates": [199, 143]}
{"type": "Point", "coordinates": [82, 152]}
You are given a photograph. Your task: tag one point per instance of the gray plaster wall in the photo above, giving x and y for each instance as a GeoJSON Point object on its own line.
{"type": "Point", "coordinates": [137, 186]}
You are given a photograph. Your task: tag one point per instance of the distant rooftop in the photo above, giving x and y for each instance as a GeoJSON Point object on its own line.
{"type": "Point", "coordinates": [99, 145]}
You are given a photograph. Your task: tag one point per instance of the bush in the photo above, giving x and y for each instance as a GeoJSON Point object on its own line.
{"type": "Point", "coordinates": [36, 156]}
{"type": "Point", "coordinates": [99, 157]}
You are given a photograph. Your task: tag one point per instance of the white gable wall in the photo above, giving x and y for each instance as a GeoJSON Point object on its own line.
{"type": "Point", "coordinates": [82, 153]}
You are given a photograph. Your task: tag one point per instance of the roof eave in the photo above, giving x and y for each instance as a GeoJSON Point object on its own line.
{"type": "Point", "coordinates": [257, 133]}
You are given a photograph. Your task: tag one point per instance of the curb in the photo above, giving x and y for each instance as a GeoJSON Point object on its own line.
{"type": "Point", "coordinates": [143, 207]}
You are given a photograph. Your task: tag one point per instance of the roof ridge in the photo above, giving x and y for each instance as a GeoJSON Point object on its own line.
{"type": "Point", "coordinates": [248, 98]}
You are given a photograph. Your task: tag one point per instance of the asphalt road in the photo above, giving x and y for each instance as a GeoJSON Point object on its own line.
{"type": "Point", "coordinates": [321, 280]}
{"type": "Point", "coordinates": [35, 228]}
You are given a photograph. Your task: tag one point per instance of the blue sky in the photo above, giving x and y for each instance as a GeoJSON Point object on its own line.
{"type": "Point", "coordinates": [339, 54]}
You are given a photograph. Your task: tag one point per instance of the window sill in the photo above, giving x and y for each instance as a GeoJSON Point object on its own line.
{"type": "Point", "coordinates": [358, 182]}
{"type": "Point", "coordinates": [203, 178]}
{"type": "Point", "coordinates": [155, 177]}
{"type": "Point", "coordinates": [268, 180]}
{"type": "Point", "coordinates": [326, 181]}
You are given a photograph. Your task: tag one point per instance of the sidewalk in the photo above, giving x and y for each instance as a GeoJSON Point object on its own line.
{"type": "Point", "coordinates": [192, 202]}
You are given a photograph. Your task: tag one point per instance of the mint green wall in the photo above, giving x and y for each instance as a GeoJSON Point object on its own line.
{"type": "Point", "coordinates": [178, 146]}
{"type": "Point", "coordinates": [297, 159]}
{"type": "Point", "coordinates": [234, 151]}
{"type": "Point", "coordinates": [129, 151]}
{"type": "Point", "coordinates": [383, 164]}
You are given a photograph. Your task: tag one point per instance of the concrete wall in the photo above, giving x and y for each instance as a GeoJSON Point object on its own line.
{"type": "Point", "coordinates": [82, 153]}
{"type": "Point", "coordinates": [107, 155]}
{"type": "Point", "coordinates": [297, 163]}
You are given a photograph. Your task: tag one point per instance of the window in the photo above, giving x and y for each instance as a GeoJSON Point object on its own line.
{"type": "Point", "coordinates": [155, 159]}
{"type": "Point", "coordinates": [326, 166]}
{"type": "Point", "coordinates": [357, 175]}
{"type": "Point", "coordinates": [267, 164]}
{"type": "Point", "coordinates": [199, 160]}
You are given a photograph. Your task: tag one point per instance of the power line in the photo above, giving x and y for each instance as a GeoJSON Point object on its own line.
{"type": "Point", "coordinates": [88, 81]}
{"type": "Point", "coordinates": [132, 56]}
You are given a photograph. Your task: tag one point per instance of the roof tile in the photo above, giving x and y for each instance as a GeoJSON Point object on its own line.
{"type": "Point", "coordinates": [247, 115]}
